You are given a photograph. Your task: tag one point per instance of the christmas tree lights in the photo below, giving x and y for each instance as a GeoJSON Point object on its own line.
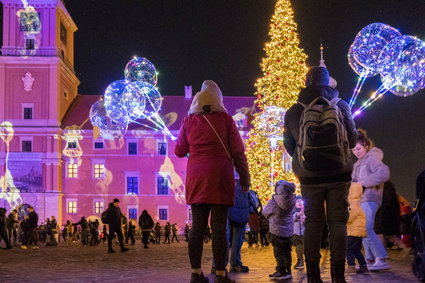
{"type": "Point", "coordinates": [284, 68]}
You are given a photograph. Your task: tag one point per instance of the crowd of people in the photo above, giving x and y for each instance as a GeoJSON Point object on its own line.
{"type": "Point", "coordinates": [24, 232]}
{"type": "Point", "coordinates": [342, 200]}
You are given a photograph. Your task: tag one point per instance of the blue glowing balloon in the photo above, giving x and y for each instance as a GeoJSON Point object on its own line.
{"type": "Point", "coordinates": [109, 129]}
{"type": "Point", "coordinates": [141, 69]}
{"type": "Point", "coordinates": [151, 95]}
{"type": "Point", "coordinates": [359, 69]}
{"type": "Point", "coordinates": [369, 42]}
{"type": "Point", "coordinates": [402, 65]}
{"type": "Point", "coordinates": [113, 102]}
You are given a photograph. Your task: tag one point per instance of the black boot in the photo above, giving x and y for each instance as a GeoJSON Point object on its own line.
{"type": "Point", "coordinates": [337, 272]}
{"type": "Point", "coordinates": [313, 271]}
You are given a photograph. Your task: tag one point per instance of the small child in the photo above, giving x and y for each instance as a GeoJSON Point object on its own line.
{"type": "Point", "coordinates": [280, 210]}
{"type": "Point", "coordinates": [298, 237]}
{"type": "Point", "coordinates": [356, 229]}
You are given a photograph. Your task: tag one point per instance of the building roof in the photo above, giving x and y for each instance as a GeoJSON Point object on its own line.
{"type": "Point", "coordinates": [173, 110]}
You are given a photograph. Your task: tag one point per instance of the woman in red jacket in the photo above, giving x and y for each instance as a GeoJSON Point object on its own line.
{"type": "Point", "coordinates": [210, 137]}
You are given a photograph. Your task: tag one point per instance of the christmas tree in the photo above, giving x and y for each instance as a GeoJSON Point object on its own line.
{"type": "Point", "coordinates": [284, 68]}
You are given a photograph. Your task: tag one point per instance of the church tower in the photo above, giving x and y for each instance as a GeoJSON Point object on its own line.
{"type": "Point", "coordinates": [37, 86]}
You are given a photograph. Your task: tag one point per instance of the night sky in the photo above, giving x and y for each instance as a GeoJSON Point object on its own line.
{"type": "Point", "coordinates": [193, 40]}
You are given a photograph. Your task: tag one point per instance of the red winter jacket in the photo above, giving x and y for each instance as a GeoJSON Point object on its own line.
{"type": "Point", "coordinates": [210, 177]}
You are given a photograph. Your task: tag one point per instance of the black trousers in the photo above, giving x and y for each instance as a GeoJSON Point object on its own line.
{"type": "Point", "coordinates": [282, 253]}
{"type": "Point", "coordinates": [112, 231]}
{"type": "Point", "coordinates": [354, 250]}
{"type": "Point", "coordinates": [145, 237]}
{"type": "Point", "coordinates": [200, 214]}
{"type": "Point", "coordinates": [130, 235]}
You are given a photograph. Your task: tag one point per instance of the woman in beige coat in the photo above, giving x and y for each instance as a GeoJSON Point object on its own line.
{"type": "Point", "coordinates": [356, 230]}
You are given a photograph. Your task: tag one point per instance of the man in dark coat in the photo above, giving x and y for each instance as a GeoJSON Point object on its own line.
{"type": "Point", "coordinates": [31, 224]}
{"type": "Point", "coordinates": [115, 220]}
{"type": "Point", "coordinates": [3, 229]}
{"type": "Point", "coordinates": [316, 188]}
{"type": "Point", "coordinates": [12, 226]}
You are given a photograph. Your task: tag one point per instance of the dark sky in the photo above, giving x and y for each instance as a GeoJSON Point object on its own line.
{"type": "Point", "coordinates": [193, 40]}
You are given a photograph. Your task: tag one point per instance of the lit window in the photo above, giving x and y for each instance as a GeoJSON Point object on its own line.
{"type": "Point", "coordinates": [132, 213]}
{"type": "Point", "coordinates": [72, 206]}
{"type": "Point", "coordinates": [163, 213]}
{"type": "Point", "coordinates": [98, 207]}
{"type": "Point", "coordinates": [162, 148]}
{"type": "Point", "coordinates": [162, 185]}
{"type": "Point", "coordinates": [132, 148]}
{"type": "Point", "coordinates": [99, 171]}
{"type": "Point", "coordinates": [27, 113]}
{"type": "Point", "coordinates": [72, 170]}
{"type": "Point", "coordinates": [132, 185]}
{"type": "Point", "coordinates": [98, 145]}
{"type": "Point", "coordinates": [26, 146]}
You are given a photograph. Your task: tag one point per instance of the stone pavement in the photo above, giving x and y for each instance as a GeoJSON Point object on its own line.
{"type": "Point", "coordinates": [160, 263]}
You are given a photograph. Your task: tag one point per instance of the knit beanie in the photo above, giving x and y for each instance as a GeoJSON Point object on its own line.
{"type": "Point", "coordinates": [317, 76]}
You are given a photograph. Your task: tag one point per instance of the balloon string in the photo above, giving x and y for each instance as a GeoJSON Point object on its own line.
{"type": "Point", "coordinates": [357, 89]}
{"type": "Point", "coordinates": [374, 97]}
{"type": "Point", "coordinates": [159, 121]}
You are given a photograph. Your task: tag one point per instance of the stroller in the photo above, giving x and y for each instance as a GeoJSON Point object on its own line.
{"type": "Point", "coordinates": [418, 229]}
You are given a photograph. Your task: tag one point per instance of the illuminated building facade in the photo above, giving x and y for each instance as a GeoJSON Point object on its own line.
{"type": "Point", "coordinates": [50, 155]}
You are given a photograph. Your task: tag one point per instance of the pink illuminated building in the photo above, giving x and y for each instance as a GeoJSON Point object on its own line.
{"type": "Point", "coordinates": [50, 156]}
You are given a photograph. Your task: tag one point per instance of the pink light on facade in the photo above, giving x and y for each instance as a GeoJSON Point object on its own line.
{"type": "Point", "coordinates": [176, 182]}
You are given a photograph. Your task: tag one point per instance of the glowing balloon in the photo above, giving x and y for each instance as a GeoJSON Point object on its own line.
{"type": "Point", "coordinates": [369, 43]}
{"type": "Point", "coordinates": [134, 101]}
{"type": "Point", "coordinates": [402, 65]}
{"type": "Point", "coordinates": [108, 128]}
{"type": "Point", "coordinates": [149, 93]}
{"type": "Point", "coordinates": [141, 69]}
{"type": "Point", "coordinates": [359, 69]}
{"type": "Point", "coordinates": [113, 101]}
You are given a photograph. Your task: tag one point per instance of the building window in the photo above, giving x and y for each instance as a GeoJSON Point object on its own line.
{"type": "Point", "coordinates": [98, 145]}
{"type": "Point", "coordinates": [132, 185]}
{"type": "Point", "coordinates": [162, 185]}
{"type": "Point", "coordinates": [98, 206]}
{"type": "Point", "coordinates": [132, 213]}
{"type": "Point", "coordinates": [162, 213]}
{"type": "Point", "coordinates": [162, 148]}
{"type": "Point", "coordinates": [30, 43]}
{"type": "Point", "coordinates": [72, 144]}
{"type": "Point", "coordinates": [72, 206]}
{"type": "Point", "coordinates": [132, 148]}
{"type": "Point", "coordinates": [99, 170]}
{"type": "Point", "coordinates": [27, 113]}
{"type": "Point", "coordinates": [26, 146]}
{"type": "Point", "coordinates": [72, 170]}
{"type": "Point", "coordinates": [189, 214]}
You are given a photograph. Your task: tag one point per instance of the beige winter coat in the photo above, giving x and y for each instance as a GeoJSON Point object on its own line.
{"type": "Point", "coordinates": [356, 225]}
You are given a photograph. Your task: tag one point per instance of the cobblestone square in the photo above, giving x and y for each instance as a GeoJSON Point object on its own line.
{"type": "Point", "coordinates": [160, 263]}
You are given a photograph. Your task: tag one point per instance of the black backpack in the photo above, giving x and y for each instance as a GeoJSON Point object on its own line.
{"type": "Point", "coordinates": [322, 143]}
{"type": "Point", "coordinates": [106, 216]}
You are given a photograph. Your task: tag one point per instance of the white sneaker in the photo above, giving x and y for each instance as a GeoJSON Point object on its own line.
{"type": "Point", "coordinates": [380, 264]}
{"type": "Point", "coordinates": [23, 247]}
{"type": "Point", "coordinates": [35, 247]}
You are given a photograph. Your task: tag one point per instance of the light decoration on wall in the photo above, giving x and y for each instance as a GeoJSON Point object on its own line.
{"type": "Point", "coordinates": [176, 182]}
{"type": "Point", "coordinates": [72, 149]}
{"type": "Point", "coordinates": [9, 191]}
{"type": "Point", "coordinates": [133, 100]}
{"type": "Point", "coordinates": [30, 25]}
{"type": "Point", "coordinates": [400, 61]}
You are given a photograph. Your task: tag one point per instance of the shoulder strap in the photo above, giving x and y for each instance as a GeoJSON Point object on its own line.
{"type": "Point", "coordinates": [335, 100]}
{"type": "Point", "coordinates": [230, 157]}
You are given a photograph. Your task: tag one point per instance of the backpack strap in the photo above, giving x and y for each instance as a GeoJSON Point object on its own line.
{"type": "Point", "coordinates": [335, 100]}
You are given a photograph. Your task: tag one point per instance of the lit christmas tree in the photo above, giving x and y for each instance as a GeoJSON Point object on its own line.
{"type": "Point", "coordinates": [284, 68]}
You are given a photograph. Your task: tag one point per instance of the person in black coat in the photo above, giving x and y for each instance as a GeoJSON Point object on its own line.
{"type": "Point", "coordinates": [3, 229]}
{"type": "Point", "coordinates": [115, 218]}
{"type": "Point", "coordinates": [146, 224]}
{"type": "Point", "coordinates": [319, 187]}
{"type": "Point", "coordinates": [131, 232]}
{"type": "Point", "coordinates": [31, 224]}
